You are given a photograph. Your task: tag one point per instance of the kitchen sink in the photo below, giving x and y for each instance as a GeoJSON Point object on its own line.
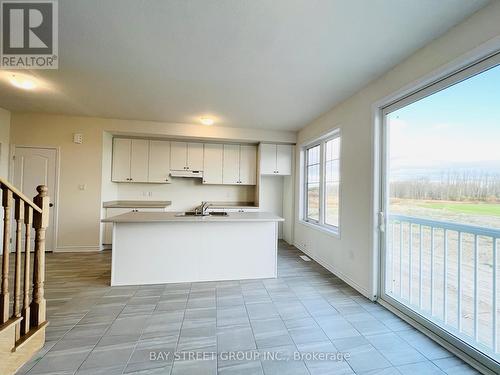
{"type": "Point", "coordinates": [192, 213]}
{"type": "Point", "coordinates": [218, 214]}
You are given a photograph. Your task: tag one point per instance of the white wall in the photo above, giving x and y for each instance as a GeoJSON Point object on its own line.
{"type": "Point", "coordinates": [79, 211]}
{"type": "Point", "coordinates": [351, 256]}
{"type": "Point", "coordinates": [4, 142]}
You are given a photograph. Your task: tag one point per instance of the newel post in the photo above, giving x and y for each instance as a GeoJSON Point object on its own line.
{"type": "Point", "coordinates": [40, 224]}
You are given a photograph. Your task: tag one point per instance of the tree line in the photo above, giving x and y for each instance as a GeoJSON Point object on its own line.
{"type": "Point", "coordinates": [452, 186]}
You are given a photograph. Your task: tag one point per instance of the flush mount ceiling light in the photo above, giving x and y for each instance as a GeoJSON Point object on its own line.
{"type": "Point", "coordinates": [22, 82]}
{"type": "Point", "coordinates": [207, 121]}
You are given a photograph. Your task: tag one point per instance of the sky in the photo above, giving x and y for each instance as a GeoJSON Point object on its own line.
{"type": "Point", "coordinates": [455, 129]}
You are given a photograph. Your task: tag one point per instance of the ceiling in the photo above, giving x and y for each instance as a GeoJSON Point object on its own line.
{"type": "Point", "coordinates": [275, 64]}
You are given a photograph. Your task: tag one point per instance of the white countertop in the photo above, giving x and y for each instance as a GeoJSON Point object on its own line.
{"type": "Point", "coordinates": [136, 204]}
{"type": "Point", "coordinates": [155, 217]}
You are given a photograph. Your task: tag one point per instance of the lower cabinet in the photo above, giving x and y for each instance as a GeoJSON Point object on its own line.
{"type": "Point", "coordinates": [107, 238]}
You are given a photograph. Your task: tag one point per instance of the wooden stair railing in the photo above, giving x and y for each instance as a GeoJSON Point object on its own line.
{"type": "Point", "coordinates": [22, 331]}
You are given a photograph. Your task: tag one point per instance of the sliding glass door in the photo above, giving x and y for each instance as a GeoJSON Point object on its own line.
{"type": "Point", "coordinates": [441, 204]}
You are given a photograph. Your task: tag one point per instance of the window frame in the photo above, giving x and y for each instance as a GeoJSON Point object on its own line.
{"type": "Point", "coordinates": [451, 74]}
{"type": "Point", "coordinates": [321, 223]}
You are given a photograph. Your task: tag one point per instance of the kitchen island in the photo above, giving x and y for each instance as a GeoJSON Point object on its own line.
{"type": "Point", "coordinates": [168, 247]}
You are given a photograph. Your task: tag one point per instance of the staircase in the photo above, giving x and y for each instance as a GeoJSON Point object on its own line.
{"type": "Point", "coordinates": [22, 306]}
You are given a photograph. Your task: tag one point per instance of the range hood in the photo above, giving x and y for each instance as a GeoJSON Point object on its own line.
{"type": "Point", "coordinates": [186, 173]}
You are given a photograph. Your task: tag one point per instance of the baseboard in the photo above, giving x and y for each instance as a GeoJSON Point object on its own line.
{"type": "Point", "coordinates": [338, 273]}
{"type": "Point", "coordinates": [77, 249]}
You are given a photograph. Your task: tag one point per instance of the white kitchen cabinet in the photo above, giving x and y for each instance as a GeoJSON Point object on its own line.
{"type": "Point", "coordinates": [108, 227]}
{"type": "Point", "coordinates": [248, 165]}
{"type": "Point", "coordinates": [178, 156]}
{"type": "Point", "coordinates": [239, 165]}
{"type": "Point", "coordinates": [130, 160]}
{"type": "Point", "coordinates": [110, 212]}
{"type": "Point", "coordinates": [159, 161]}
{"type": "Point", "coordinates": [212, 163]}
{"type": "Point", "coordinates": [231, 165]}
{"type": "Point", "coordinates": [139, 160]}
{"type": "Point", "coordinates": [267, 158]}
{"type": "Point", "coordinates": [275, 159]}
{"type": "Point", "coordinates": [121, 160]}
{"type": "Point", "coordinates": [195, 156]}
{"type": "Point", "coordinates": [284, 159]}
{"type": "Point", "coordinates": [186, 156]}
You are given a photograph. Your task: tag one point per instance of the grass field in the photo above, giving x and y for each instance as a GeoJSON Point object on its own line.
{"type": "Point", "coordinates": [473, 213]}
{"type": "Point", "coordinates": [487, 209]}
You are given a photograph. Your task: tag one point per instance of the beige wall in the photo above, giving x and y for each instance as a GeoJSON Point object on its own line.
{"type": "Point", "coordinates": [351, 256]}
{"type": "Point", "coordinates": [4, 142]}
{"type": "Point", "coordinates": [80, 211]}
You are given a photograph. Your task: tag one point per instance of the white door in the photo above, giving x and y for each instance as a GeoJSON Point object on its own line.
{"type": "Point", "coordinates": [37, 166]}
{"type": "Point", "coordinates": [267, 158]}
{"type": "Point", "coordinates": [178, 156]}
{"type": "Point", "coordinates": [231, 166]}
{"type": "Point", "coordinates": [212, 164]}
{"type": "Point", "coordinates": [195, 156]}
{"type": "Point", "coordinates": [121, 160]}
{"type": "Point", "coordinates": [248, 165]}
{"type": "Point", "coordinates": [159, 161]}
{"type": "Point", "coordinates": [284, 160]}
{"type": "Point", "coordinates": [139, 160]}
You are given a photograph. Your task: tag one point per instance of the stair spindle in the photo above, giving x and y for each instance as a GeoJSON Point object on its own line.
{"type": "Point", "coordinates": [28, 219]}
{"type": "Point", "coordinates": [19, 218]}
{"type": "Point", "coordinates": [4, 294]}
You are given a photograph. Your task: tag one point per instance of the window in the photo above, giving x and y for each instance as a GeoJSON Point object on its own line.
{"type": "Point", "coordinates": [322, 182]}
{"type": "Point", "coordinates": [312, 172]}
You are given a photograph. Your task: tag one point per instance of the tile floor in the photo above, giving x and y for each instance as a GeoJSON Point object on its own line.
{"type": "Point", "coordinates": [95, 329]}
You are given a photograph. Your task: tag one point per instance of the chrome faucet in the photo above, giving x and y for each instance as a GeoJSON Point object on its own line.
{"type": "Point", "coordinates": [202, 209]}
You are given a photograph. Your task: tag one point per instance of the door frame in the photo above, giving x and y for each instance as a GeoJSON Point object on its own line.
{"type": "Point", "coordinates": [57, 149]}
{"type": "Point", "coordinates": [467, 65]}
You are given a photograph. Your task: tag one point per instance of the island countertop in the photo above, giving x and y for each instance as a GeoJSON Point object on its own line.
{"type": "Point", "coordinates": [156, 217]}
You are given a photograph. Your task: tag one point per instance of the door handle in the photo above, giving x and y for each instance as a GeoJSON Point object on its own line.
{"type": "Point", "coordinates": [51, 204]}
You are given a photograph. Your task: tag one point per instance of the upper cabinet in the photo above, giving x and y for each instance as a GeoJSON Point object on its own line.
{"type": "Point", "coordinates": [130, 160]}
{"type": "Point", "coordinates": [248, 165]}
{"type": "Point", "coordinates": [140, 160]}
{"type": "Point", "coordinates": [231, 165]}
{"type": "Point", "coordinates": [188, 156]}
{"type": "Point", "coordinates": [195, 156]}
{"type": "Point", "coordinates": [240, 165]}
{"type": "Point", "coordinates": [159, 161]}
{"type": "Point", "coordinates": [275, 159]}
{"type": "Point", "coordinates": [150, 161]}
{"type": "Point", "coordinates": [213, 163]}
{"type": "Point", "coordinates": [121, 160]}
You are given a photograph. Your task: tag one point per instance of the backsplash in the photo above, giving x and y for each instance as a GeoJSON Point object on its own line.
{"type": "Point", "coordinates": [185, 193]}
